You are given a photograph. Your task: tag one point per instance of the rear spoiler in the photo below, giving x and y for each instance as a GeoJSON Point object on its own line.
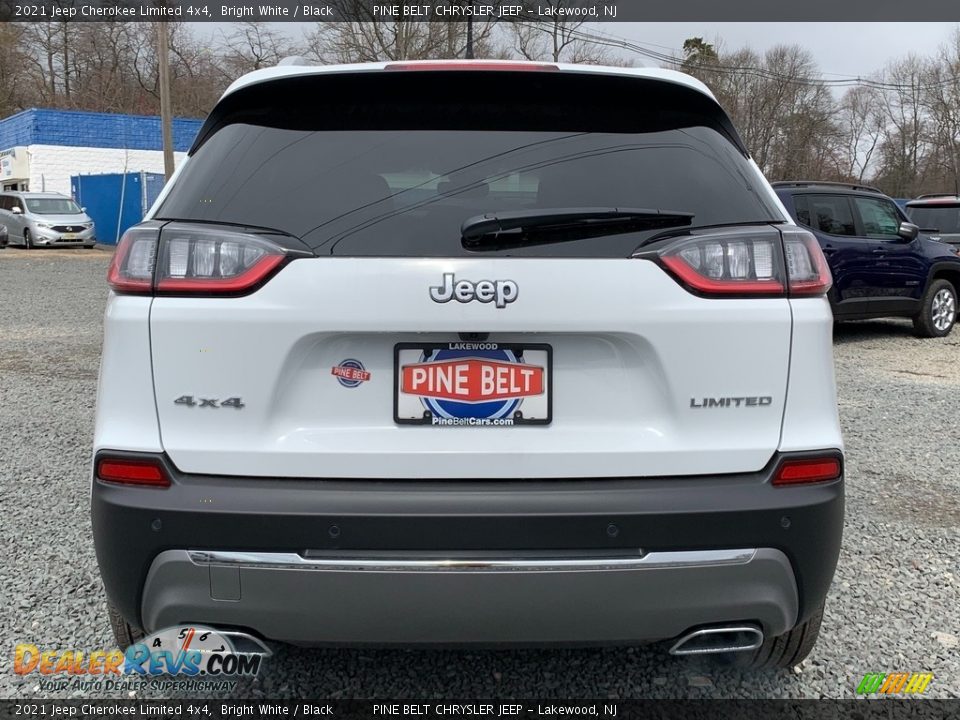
{"type": "Point", "coordinates": [456, 99]}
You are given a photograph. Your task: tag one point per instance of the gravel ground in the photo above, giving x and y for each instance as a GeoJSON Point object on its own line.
{"type": "Point", "coordinates": [894, 606]}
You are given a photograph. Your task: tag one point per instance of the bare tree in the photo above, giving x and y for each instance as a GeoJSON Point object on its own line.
{"type": "Point", "coordinates": [251, 46]}
{"type": "Point", "coordinates": [941, 99]}
{"type": "Point", "coordinates": [560, 38]}
{"type": "Point", "coordinates": [383, 40]}
{"type": "Point", "coordinates": [861, 126]}
{"type": "Point", "coordinates": [782, 109]}
{"type": "Point", "coordinates": [14, 94]}
{"type": "Point", "coordinates": [415, 37]}
{"type": "Point", "coordinates": [906, 131]}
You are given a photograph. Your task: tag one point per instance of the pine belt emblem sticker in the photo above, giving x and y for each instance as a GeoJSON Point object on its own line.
{"type": "Point", "coordinates": [350, 373]}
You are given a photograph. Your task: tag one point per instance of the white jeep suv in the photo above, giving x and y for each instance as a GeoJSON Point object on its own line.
{"type": "Point", "coordinates": [470, 352]}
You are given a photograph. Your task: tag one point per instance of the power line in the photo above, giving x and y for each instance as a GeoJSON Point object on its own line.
{"type": "Point", "coordinates": [610, 40]}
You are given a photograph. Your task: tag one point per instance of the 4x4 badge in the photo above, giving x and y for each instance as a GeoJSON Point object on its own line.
{"type": "Point", "coordinates": [499, 292]}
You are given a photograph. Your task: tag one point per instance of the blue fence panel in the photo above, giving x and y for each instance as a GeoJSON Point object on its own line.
{"type": "Point", "coordinates": [116, 201]}
{"type": "Point", "coordinates": [154, 184]}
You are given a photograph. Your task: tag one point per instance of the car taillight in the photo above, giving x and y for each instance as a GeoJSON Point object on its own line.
{"type": "Point", "coordinates": [807, 269]}
{"type": "Point", "coordinates": [728, 263]}
{"type": "Point", "coordinates": [807, 470]}
{"type": "Point", "coordinates": [182, 259]}
{"type": "Point", "coordinates": [131, 269]}
{"type": "Point", "coordinates": [132, 472]}
{"type": "Point", "coordinates": [747, 262]}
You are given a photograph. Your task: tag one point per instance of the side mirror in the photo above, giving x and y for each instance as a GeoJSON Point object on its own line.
{"type": "Point", "coordinates": [908, 231]}
{"type": "Point", "coordinates": [16, 210]}
{"type": "Point", "coordinates": [83, 209]}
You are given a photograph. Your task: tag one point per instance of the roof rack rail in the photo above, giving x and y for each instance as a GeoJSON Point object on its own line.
{"type": "Point", "coordinates": [817, 183]}
{"type": "Point", "coordinates": [936, 195]}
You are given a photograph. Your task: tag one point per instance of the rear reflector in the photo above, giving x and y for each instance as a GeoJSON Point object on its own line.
{"type": "Point", "coordinates": [473, 65]}
{"type": "Point", "coordinates": [812, 470]}
{"type": "Point", "coordinates": [133, 472]}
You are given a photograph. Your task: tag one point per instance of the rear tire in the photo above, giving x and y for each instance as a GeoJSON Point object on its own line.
{"type": "Point", "coordinates": [123, 632]}
{"type": "Point", "coordinates": [27, 240]}
{"type": "Point", "coordinates": [782, 651]}
{"type": "Point", "coordinates": [938, 310]}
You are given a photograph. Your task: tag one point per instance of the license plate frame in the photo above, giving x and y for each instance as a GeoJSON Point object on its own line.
{"type": "Point", "coordinates": [540, 404]}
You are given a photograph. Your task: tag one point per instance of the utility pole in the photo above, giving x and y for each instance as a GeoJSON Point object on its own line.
{"type": "Point", "coordinates": [469, 51]}
{"type": "Point", "coordinates": [166, 118]}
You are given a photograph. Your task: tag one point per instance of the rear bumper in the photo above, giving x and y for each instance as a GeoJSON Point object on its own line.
{"type": "Point", "coordinates": [384, 600]}
{"type": "Point", "coordinates": [281, 557]}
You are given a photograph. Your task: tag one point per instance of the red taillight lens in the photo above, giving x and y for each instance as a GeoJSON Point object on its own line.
{"type": "Point", "coordinates": [807, 269]}
{"type": "Point", "coordinates": [183, 259]}
{"type": "Point", "coordinates": [213, 261]}
{"type": "Point", "coordinates": [131, 270]}
{"type": "Point", "coordinates": [745, 261]}
{"type": "Point", "coordinates": [132, 472]}
{"type": "Point", "coordinates": [807, 470]}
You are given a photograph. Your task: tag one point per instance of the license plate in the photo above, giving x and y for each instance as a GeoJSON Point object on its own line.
{"type": "Point", "coordinates": [68, 236]}
{"type": "Point", "coordinates": [472, 384]}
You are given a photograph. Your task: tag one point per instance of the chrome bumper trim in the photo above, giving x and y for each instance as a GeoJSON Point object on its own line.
{"type": "Point", "coordinates": [685, 558]}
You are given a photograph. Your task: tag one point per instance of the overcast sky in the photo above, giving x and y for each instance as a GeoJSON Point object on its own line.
{"type": "Point", "coordinates": [840, 49]}
{"type": "Point", "coordinates": [846, 49]}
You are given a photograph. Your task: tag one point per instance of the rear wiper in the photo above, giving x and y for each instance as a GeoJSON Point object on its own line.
{"type": "Point", "coordinates": [517, 228]}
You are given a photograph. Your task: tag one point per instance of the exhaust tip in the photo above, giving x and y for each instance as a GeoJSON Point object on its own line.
{"type": "Point", "coordinates": [719, 639]}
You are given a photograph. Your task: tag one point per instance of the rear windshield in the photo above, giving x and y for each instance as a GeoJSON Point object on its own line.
{"type": "Point", "coordinates": [946, 219]}
{"type": "Point", "coordinates": [373, 183]}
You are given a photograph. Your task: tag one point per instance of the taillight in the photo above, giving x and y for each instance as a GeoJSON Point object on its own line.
{"type": "Point", "coordinates": [147, 472]}
{"type": "Point", "coordinates": [807, 470]}
{"type": "Point", "coordinates": [183, 259]}
{"type": "Point", "coordinates": [807, 269]}
{"type": "Point", "coordinates": [131, 270]}
{"type": "Point", "coordinates": [747, 262]}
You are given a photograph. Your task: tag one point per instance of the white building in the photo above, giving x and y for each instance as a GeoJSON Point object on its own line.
{"type": "Point", "coordinates": [40, 150]}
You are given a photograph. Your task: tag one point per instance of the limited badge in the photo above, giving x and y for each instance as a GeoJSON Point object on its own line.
{"type": "Point", "coordinates": [350, 373]}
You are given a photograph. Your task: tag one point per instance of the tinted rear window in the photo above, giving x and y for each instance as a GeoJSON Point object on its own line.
{"type": "Point", "coordinates": [355, 178]}
{"type": "Point", "coordinates": [946, 219]}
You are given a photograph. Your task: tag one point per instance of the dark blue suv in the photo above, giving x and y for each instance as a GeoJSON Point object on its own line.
{"type": "Point", "coordinates": [882, 266]}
